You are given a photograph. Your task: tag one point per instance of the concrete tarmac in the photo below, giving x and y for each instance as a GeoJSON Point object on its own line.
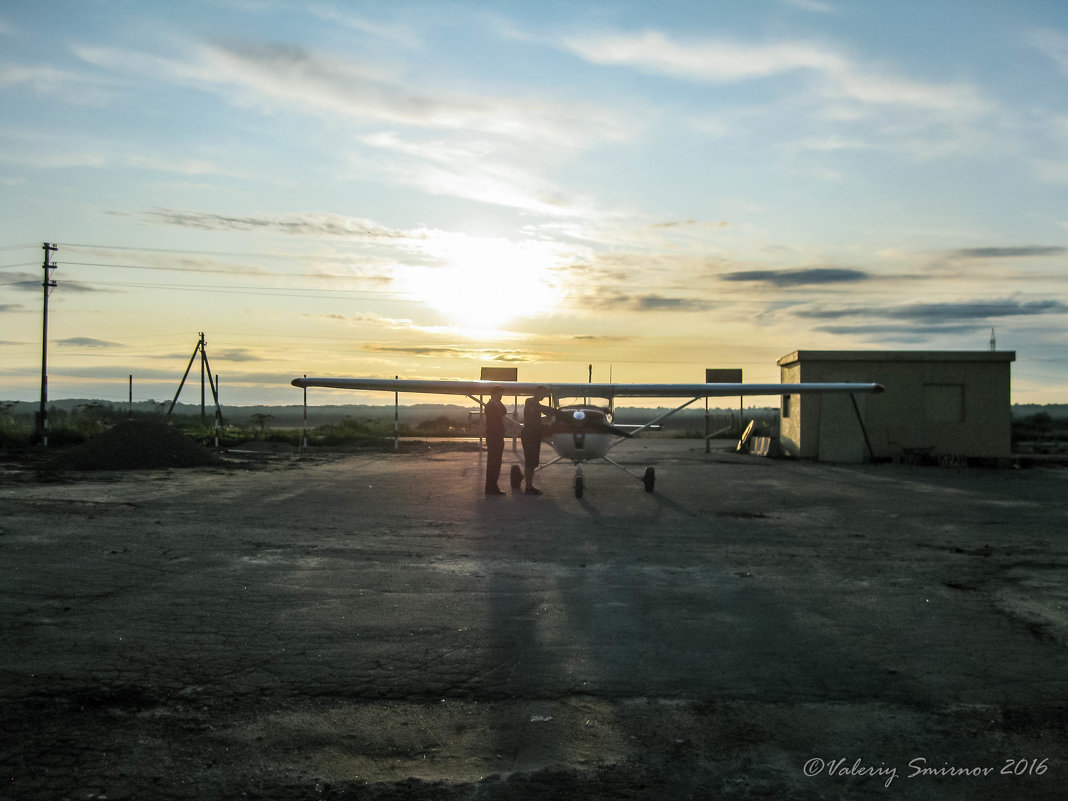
{"type": "Point", "coordinates": [372, 626]}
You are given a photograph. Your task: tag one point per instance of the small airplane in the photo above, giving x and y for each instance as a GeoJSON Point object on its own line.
{"type": "Point", "coordinates": [582, 432]}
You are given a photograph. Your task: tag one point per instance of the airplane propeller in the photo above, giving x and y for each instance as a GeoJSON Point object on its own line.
{"type": "Point", "coordinates": [591, 423]}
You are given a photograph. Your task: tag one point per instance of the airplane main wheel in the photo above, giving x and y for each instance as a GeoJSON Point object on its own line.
{"type": "Point", "coordinates": [649, 479]}
{"type": "Point", "coordinates": [516, 477]}
{"type": "Point", "coordinates": [580, 485]}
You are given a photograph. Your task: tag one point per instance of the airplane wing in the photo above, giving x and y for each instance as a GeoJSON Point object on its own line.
{"type": "Point", "coordinates": [579, 390]}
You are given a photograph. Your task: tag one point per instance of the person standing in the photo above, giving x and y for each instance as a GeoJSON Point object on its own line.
{"type": "Point", "coordinates": [495, 412]}
{"type": "Point", "coordinates": [533, 431]}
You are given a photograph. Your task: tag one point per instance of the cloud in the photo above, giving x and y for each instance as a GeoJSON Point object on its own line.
{"type": "Point", "coordinates": [652, 302]}
{"type": "Point", "coordinates": [900, 333]}
{"type": "Point", "coordinates": [325, 84]}
{"type": "Point", "coordinates": [708, 60]}
{"type": "Point", "coordinates": [674, 224]}
{"type": "Point", "coordinates": [812, 6]}
{"type": "Point", "coordinates": [473, 169]}
{"type": "Point", "coordinates": [978, 310]}
{"type": "Point", "coordinates": [670, 225]}
{"type": "Point", "coordinates": [22, 280]}
{"type": "Point", "coordinates": [1052, 172]}
{"type": "Point", "coordinates": [365, 317]}
{"type": "Point", "coordinates": [1025, 251]}
{"type": "Point", "coordinates": [111, 373]}
{"type": "Point", "coordinates": [489, 146]}
{"type": "Point", "coordinates": [290, 77]}
{"type": "Point", "coordinates": [63, 85]}
{"type": "Point", "coordinates": [47, 150]}
{"type": "Point", "coordinates": [941, 313]}
{"type": "Point", "coordinates": [234, 355]}
{"type": "Point", "coordinates": [395, 34]}
{"type": "Point", "coordinates": [312, 224]}
{"type": "Point", "coordinates": [30, 282]}
{"type": "Point", "coordinates": [725, 61]}
{"type": "Point", "coordinates": [660, 303]}
{"type": "Point", "coordinates": [217, 356]}
{"type": "Point", "coordinates": [1051, 43]}
{"type": "Point", "coordinates": [256, 379]}
{"type": "Point", "coordinates": [599, 338]}
{"type": "Point", "coordinates": [799, 277]}
{"type": "Point", "coordinates": [452, 352]}
{"type": "Point", "coordinates": [832, 143]}
{"type": "Point", "coordinates": [88, 342]}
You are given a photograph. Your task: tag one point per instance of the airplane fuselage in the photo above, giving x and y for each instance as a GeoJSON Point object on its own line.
{"type": "Point", "coordinates": [581, 435]}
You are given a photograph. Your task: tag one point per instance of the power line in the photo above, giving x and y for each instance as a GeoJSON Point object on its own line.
{"type": "Point", "coordinates": [799, 294]}
{"type": "Point", "coordinates": [242, 254]}
{"type": "Point", "coordinates": [786, 292]}
{"type": "Point", "coordinates": [291, 292]}
{"type": "Point", "coordinates": [712, 295]}
{"type": "Point", "coordinates": [222, 273]}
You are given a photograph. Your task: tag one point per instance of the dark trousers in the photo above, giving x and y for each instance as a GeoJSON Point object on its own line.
{"type": "Point", "coordinates": [494, 456]}
{"type": "Point", "coordinates": [531, 454]}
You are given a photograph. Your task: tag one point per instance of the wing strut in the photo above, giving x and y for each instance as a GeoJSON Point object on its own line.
{"type": "Point", "coordinates": [863, 429]}
{"type": "Point", "coordinates": [655, 421]}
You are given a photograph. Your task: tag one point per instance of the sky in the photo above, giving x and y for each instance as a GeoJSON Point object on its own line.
{"type": "Point", "coordinates": [423, 189]}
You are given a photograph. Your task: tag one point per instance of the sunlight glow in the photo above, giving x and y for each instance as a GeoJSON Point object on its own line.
{"type": "Point", "coordinates": [482, 283]}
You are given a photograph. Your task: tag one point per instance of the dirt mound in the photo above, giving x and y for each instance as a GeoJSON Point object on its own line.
{"type": "Point", "coordinates": [136, 445]}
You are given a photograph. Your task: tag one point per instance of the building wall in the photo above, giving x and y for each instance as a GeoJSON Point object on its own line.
{"type": "Point", "coordinates": [936, 402]}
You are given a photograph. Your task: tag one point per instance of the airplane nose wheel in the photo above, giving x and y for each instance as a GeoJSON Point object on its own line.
{"type": "Point", "coordinates": [649, 479]}
{"type": "Point", "coordinates": [516, 477]}
{"type": "Point", "coordinates": [580, 482]}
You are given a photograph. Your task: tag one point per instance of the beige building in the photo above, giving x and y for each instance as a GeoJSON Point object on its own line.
{"type": "Point", "coordinates": [939, 404]}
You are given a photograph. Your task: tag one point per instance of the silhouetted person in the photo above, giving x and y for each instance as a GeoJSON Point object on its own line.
{"type": "Point", "coordinates": [495, 413]}
{"type": "Point", "coordinates": [533, 430]}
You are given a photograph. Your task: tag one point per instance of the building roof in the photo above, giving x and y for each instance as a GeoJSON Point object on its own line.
{"type": "Point", "coordinates": [897, 356]}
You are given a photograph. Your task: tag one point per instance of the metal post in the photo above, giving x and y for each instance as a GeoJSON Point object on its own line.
{"type": "Point", "coordinates": [708, 428]}
{"type": "Point", "coordinates": [129, 408]}
{"type": "Point", "coordinates": [48, 284]}
{"type": "Point", "coordinates": [218, 411]}
{"type": "Point", "coordinates": [396, 418]}
{"type": "Point", "coordinates": [304, 431]}
{"type": "Point", "coordinates": [213, 382]}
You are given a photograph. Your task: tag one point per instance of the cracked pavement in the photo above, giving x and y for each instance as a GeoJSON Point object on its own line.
{"type": "Point", "coordinates": [371, 626]}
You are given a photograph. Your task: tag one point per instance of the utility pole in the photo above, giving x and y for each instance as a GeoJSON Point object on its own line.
{"type": "Point", "coordinates": [203, 358]}
{"type": "Point", "coordinates": [49, 285]}
{"type": "Point", "coordinates": [213, 382]}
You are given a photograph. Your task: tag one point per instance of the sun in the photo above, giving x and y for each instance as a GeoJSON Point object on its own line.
{"type": "Point", "coordinates": [483, 283]}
